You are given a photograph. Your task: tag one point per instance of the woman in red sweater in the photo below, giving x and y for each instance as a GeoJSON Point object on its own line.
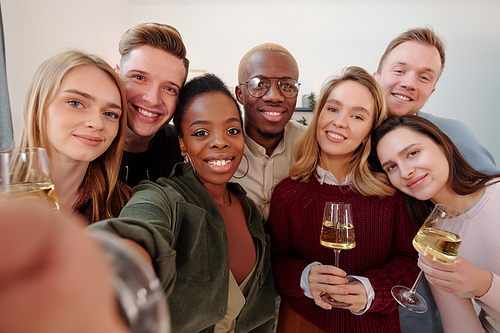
{"type": "Point", "coordinates": [332, 166]}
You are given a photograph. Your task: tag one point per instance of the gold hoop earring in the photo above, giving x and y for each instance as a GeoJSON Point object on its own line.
{"type": "Point", "coordinates": [248, 168]}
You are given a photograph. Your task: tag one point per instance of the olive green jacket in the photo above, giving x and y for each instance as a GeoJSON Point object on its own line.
{"type": "Point", "coordinates": [180, 226]}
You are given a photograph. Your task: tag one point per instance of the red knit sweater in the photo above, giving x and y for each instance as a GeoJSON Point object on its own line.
{"type": "Point", "coordinates": [383, 252]}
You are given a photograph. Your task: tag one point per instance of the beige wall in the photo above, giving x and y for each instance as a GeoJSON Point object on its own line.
{"type": "Point", "coordinates": [324, 36]}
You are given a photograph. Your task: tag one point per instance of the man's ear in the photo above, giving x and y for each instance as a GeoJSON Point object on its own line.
{"type": "Point", "coordinates": [432, 91]}
{"type": "Point", "coordinates": [376, 75]}
{"type": "Point", "coordinates": [117, 68]}
{"type": "Point", "coordinates": [239, 94]}
{"type": "Point", "coordinates": [183, 146]}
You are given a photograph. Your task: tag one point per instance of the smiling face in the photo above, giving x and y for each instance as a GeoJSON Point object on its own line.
{"type": "Point", "coordinates": [408, 77]}
{"type": "Point", "coordinates": [84, 117]}
{"type": "Point", "coordinates": [415, 164]}
{"type": "Point", "coordinates": [345, 122]}
{"type": "Point", "coordinates": [153, 79]}
{"type": "Point", "coordinates": [212, 137]}
{"type": "Point", "coordinates": [266, 116]}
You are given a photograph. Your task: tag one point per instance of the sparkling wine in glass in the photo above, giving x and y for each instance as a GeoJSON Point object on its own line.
{"type": "Point", "coordinates": [24, 173]}
{"type": "Point", "coordinates": [438, 239]}
{"type": "Point", "coordinates": [337, 233]}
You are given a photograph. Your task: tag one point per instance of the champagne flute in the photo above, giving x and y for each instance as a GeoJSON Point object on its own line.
{"type": "Point", "coordinates": [438, 239]}
{"type": "Point", "coordinates": [139, 293]}
{"type": "Point", "coordinates": [337, 233]}
{"type": "Point", "coordinates": [24, 173]}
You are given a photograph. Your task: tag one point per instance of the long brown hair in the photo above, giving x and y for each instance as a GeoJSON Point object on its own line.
{"type": "Point", "coordinates": [308, 150]}
{"type": "Point", "coordinates": [463, 178]}
{"type": "Point", "coordinates": [102, 173]}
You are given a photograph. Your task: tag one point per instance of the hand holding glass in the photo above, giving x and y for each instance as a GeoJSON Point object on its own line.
{"type": "Point", "coordinates": [24, 173]}
{"type": "Point", "coordinates": [337, 233]}
{"type": "Point", "coordinates": [438, 239]}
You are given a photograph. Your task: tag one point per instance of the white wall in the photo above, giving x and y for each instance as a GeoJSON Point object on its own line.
{"type": "Point", "coordinates": [324, 36]}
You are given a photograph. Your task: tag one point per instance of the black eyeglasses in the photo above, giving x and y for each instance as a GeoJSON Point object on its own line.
{"type": "Point", "coordinates": [259, 86]}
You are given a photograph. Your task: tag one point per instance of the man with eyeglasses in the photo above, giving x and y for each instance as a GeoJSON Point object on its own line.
{"type": "Point", "coordinates": [267, 89]}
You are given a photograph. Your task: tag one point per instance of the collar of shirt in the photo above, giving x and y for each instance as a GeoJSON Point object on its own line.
{"type": "Point", "coordinates": [257, 149]}
{"type": "Point", "coordinates": [327, 177]}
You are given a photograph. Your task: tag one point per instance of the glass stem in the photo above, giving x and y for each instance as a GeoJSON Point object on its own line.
{"type": "Point", "coordinates": [417, 281]}
{"type": "Point", "coordinates": [337, 253]}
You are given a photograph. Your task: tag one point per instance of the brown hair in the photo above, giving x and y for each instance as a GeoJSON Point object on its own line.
{"type": "Point", "coordinates": [463, 178]}
{"type": "Point", "coordinates": [423, 35]}
{"type": "Point", "coordinates": [308, 150]}
{"type": "Point", "coordinates": [262, 47]}
{"type": "Point", "coordinates": [102, 173]}
{"type": "Point", "coordinates": [157, 35]}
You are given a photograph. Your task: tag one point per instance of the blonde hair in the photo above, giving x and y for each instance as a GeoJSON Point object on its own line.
{"type": "Point", "coordinates": [262, 47]}
{"type": "Point", "coordinates": [157, 35]}
{"type": "Point", "coordinates": [423, 35]}
{"type": "Point", "coordinates": [102, 173]}
{"type": "Point", "coordinates": [308, 150]}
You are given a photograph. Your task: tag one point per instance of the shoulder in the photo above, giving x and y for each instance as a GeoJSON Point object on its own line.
{"type": "Point", "coordinates": [289, 189]}
{"type": "Point", "coordinates": [395, 201]}
{"type": "Point", "coordinates": [293, 132]}
{"type": "Point", "coordinates": [390, 203]}
{"type": "Point", "coordinates": [493, 188]}
{"type": "Point", "coordinates": [150, 191]}
{"type": "Point", "coordinates": [445, 124]}
{"type": "Point", "coordinates": [295, 127]}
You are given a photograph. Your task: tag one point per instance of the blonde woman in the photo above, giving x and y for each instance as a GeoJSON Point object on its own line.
{"type": "Point", "coordinates": [74, 109]}
{"type": "Point", "coordinates": [332, 166]}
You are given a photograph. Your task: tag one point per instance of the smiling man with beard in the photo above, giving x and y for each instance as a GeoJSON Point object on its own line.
{"type": "Point", "coordinates": [268, 87]}
{"type": "Point", "coordinates": [154, 68]}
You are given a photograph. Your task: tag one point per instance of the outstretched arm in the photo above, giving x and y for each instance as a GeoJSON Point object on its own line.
{"type": "Point", "coordinates": [53, 276]}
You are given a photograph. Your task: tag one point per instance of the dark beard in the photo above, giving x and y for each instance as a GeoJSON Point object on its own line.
{"type": "Point", "coordinates": [271, 135]}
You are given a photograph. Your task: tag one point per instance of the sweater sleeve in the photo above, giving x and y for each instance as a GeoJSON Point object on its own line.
{"type": "Point", "coordinates": [401, 266]}
{"type": "Point", "coordinates": [457, 313]}
{"type": "Point", "coordinates": [287, 265]}
{"type": "Point", "coordinates": [147, 220]}
{"type": "Point", "coordinates": [491, 300]}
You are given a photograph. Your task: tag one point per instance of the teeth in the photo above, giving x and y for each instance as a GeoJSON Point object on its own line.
{"type": "Point", "coordinates": [219, 162]}
{"type": "Point", "coordinates": [274, 113]}
{"type": "Point", "coordinates": [336, 136]}
{"type": "Point", "coordinates": [147, 113]}
{"type": "Point", "coordinates": [401, 97]}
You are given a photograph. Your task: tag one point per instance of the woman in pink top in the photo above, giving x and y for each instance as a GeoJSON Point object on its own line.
{"type": "Point", "coordinates": [427, 167]}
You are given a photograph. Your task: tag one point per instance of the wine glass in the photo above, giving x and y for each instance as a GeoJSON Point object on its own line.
{"type": "Point", "coordinates": [337, 233]}
{"type": "Point", "coordinates": [24, 173]}
{"type": "Point", "coordinates": [139, 294]}
{"type": "Point", "coordinates": [438, 239]}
